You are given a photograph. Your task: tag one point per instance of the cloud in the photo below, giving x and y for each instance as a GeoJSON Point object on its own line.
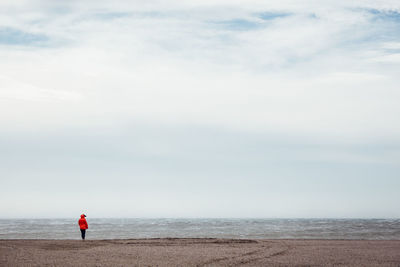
{"type": "Point", "coordinates": [175, 65]}
{"type": "Point", "coordinates": [197, 166]}
{"type": "Point", "coordinates": [263, 93]}
{"type": "Point", "coordinates": [272, 15]}
{"type": "Point", "coordinates": [12, 89]}
{"type": "Point", "coordinates": [238, 24]}
{"type": "Point", "coordinates": [386, 15]}
{"type": "Point", "coordinates": [10, 36]}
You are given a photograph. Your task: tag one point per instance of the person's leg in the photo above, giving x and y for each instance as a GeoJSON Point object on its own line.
{"type": "Point", "coordinates": [83, 231]}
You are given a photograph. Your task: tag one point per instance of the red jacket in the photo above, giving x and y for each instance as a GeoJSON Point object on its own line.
{"type": "Point", "coordinates": [83, 223]}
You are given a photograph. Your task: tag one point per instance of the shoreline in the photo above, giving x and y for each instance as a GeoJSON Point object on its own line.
{"type": "Point", "coordinates": [199, 252]}
{"type": "Point", "coordinates": [196, 238]}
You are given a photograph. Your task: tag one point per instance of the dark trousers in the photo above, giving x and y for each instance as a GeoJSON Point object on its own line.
{"type": "Point", "coordinates": [83, 232]}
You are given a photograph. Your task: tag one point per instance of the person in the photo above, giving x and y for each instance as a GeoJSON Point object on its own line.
{"type": "Point", "coordinates": [83, 225]}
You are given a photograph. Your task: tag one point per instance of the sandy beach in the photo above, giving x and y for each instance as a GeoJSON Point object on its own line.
{"type": "Point", "coordinates": [199, 252]}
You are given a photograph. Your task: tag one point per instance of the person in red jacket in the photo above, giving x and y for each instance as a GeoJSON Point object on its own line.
{"type": "Point", "coordinates": [83, 225]}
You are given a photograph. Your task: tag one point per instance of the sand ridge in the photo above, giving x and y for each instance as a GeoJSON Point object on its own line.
{"type": "Point", "coordinates": [199, 252]}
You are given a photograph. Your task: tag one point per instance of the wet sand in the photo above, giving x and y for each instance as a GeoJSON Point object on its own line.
{"type": "Point", "coordinates": [199, 252]}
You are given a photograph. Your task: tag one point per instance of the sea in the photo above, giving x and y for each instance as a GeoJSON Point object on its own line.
{"type": "Point", "coordinates": [127, 228]}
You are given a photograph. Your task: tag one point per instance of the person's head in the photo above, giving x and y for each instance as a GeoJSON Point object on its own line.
{"type": "Point", "coordinates": [83, 216]}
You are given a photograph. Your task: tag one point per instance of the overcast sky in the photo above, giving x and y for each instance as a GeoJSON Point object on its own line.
{"type": "Point", "coordinates": [200, 108]}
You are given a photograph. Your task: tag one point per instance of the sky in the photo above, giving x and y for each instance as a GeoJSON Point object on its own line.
{"type": "Point", "coordinates": [267, 109]}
